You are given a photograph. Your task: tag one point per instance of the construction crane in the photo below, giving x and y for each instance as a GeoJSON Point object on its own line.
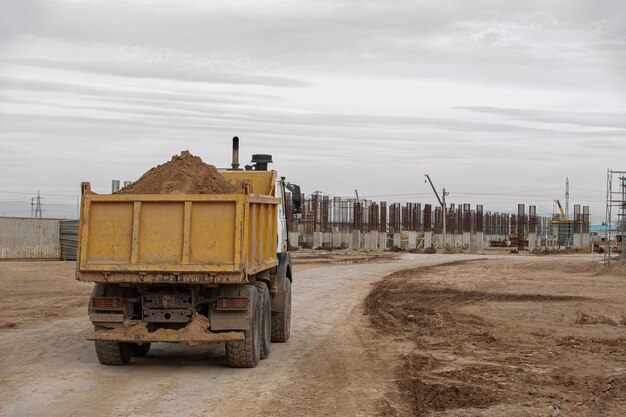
{"type": "Point", "coordinates": [442, 202]}
{"type": "Point", "coordinates": [434, 190]}
{"type": "Point", "coordinates": [561, 210]}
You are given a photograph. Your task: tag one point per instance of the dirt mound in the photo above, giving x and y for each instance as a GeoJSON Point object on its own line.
{"type": "Point", "coordinates": [595, 318]}
{"type": "Point", "coordinates": [183, 174]}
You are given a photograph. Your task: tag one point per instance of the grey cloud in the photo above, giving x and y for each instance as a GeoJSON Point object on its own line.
{"type": "Point", "coordinates": [161, 70]}
{"type": "Point", "coordinates": [335, 130]}
{"type": "Point", "coordinates": [13, 100]}
{"type": "Point", "coordinates": [218, 115]}
{"type": "Point", "coordinates": [591, 119]}
{"type": "Point", "coordinates": [37, 85]}
{"type": "Point", "coordinates": [493, 41]}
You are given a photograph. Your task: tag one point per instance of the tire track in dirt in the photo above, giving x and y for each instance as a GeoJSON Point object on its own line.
{"type": "Point", "coordinates": [330, 366]}
{"type": "Point", "coordinates": [490, 340]}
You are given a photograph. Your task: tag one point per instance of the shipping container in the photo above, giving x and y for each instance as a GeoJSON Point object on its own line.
{"type": "Point", "coordinates": [29, 238]}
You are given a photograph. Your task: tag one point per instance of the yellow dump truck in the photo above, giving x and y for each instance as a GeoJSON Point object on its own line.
{"type": "Point", "coordinates": [189, 268]}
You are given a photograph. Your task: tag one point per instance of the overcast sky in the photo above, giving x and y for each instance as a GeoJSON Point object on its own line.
{"type": "Point", "coordinates": [499, 101]}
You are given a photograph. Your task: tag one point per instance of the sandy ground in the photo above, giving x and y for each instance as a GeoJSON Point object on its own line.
{"type": "Point", "coordinates": [531, 336]}
{"type": "Point", "coordinates": [338, 361]}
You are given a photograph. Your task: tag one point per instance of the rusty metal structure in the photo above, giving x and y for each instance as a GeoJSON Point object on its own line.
{"type": "Point", "coordinates": [322, 213]}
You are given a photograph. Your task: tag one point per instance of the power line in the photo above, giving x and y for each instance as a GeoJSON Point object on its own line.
{"type": "Point", "coordinates": [523, 193]}
{"type": "Point", "coordinates": [397, 195]}
{"type": "Point", "coordinates": [22, 193]}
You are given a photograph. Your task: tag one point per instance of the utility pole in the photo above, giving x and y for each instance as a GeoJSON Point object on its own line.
{"type": "Point", "coordinates": [38, 205]}
{"type": "Point", "coordinates": [445, 214]}
{"type": "Point", "coordinates": [567, 197]}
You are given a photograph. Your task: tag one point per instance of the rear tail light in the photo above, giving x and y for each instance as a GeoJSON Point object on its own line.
{"type": "Point", "coordinates": [107, 303]}
{"type": "Point", "coordinates": [231, 303]}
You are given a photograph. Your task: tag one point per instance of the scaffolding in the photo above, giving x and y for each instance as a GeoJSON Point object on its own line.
{"type": "Point", "coordinates": [615, 222]}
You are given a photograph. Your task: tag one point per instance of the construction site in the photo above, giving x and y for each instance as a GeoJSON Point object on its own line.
{"type": "Point", "coordinates": [312, 208]}
{"type": "Point", "coordinates": [397, 310]}
{"type": "Point", "coordinates": [338, 223]}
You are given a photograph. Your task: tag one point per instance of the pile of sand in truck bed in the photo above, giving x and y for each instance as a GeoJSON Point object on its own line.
{"type": "Point", "coordinates": [183, 174]}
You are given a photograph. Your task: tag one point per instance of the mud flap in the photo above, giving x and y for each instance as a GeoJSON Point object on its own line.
{"type": "Point", "coordinates": [232, 319]}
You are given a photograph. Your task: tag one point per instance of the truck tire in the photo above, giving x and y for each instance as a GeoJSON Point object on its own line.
{"type": "Point", "coordinates": [266, 318]}
{"type": "Point", "coordinates": [247, 354]}
{"type": "Point", "coordinates": [281, 320]}
{"type": "Point", "coordinates": [141, 350]}
{"type": "Point", "coordinates": [113, 353]}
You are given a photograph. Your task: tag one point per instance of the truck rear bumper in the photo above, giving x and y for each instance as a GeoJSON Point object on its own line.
{"type": "Point", "coordinates": [196, 332]}
{"type": "Point", "coordinates": [113, 277]}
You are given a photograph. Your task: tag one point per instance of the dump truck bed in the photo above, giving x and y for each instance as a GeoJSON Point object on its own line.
{"type": "Point", "coordinates": [171, 238]}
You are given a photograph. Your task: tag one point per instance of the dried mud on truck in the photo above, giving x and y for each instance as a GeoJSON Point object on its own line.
{"type": "Point", "coordinates": [189, 254]}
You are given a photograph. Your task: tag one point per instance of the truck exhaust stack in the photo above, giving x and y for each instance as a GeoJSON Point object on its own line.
{"type": "Point", "coordinates": [235, 164]}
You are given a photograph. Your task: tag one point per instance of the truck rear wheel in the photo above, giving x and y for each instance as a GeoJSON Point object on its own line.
{"type": "Point", "coordinates": [266, 319]}
{"type": "Point", "coordinates": [111, 352]}
{"type": "Point", "coordinates": [281, 320]}
{"type": "Point", "coordinates": [247, 354]}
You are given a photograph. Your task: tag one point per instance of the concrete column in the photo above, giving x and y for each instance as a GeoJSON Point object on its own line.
{"type": "Point", "coordinates": [412, 240]}
{"type": "Point", "coordinates": [428, 240]}
{"type": "Point", "coordinates": [356, 239]}
{"type": "Point", "coordinates": [382, 240]}
{"type": "Point", "coordinates": [336, 240]}
{"type": "Point", "coordinates": [293, 239]}
{"type": "Point", "coordinates": [327, 240]}
{"type": "Point", "coordinates": [467, 243]}
{"type": "Point", "coordinates": [397, 239]}
{"type": "Point", "coordinates": [585, 239]}
{"type": "Point", "coordinates": [307, 239]}
{"type": "Point", "coordinates": [577, 240]}
{"type": "Point", "coordinates": [346, 240]}
{"type": "Point", "coordinates": [532, 241]}
{"type": "Point", "coordinates": [479, 242]}
{"type": "Point", "coordinates": [367, 244]}
{"type": "Point", "coordinates": [373, 240]}
{"type": "Point", "coordinates": [317, 240]}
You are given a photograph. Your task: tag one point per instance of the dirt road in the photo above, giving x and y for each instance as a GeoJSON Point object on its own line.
{"type": "Point", "coordinates": [331, 365]}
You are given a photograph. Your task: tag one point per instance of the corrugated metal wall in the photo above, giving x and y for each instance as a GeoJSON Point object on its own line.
{"type": "Point", "coordinates": [29, 238]}
{"type": "Point", "coordinates": [69, 239]}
